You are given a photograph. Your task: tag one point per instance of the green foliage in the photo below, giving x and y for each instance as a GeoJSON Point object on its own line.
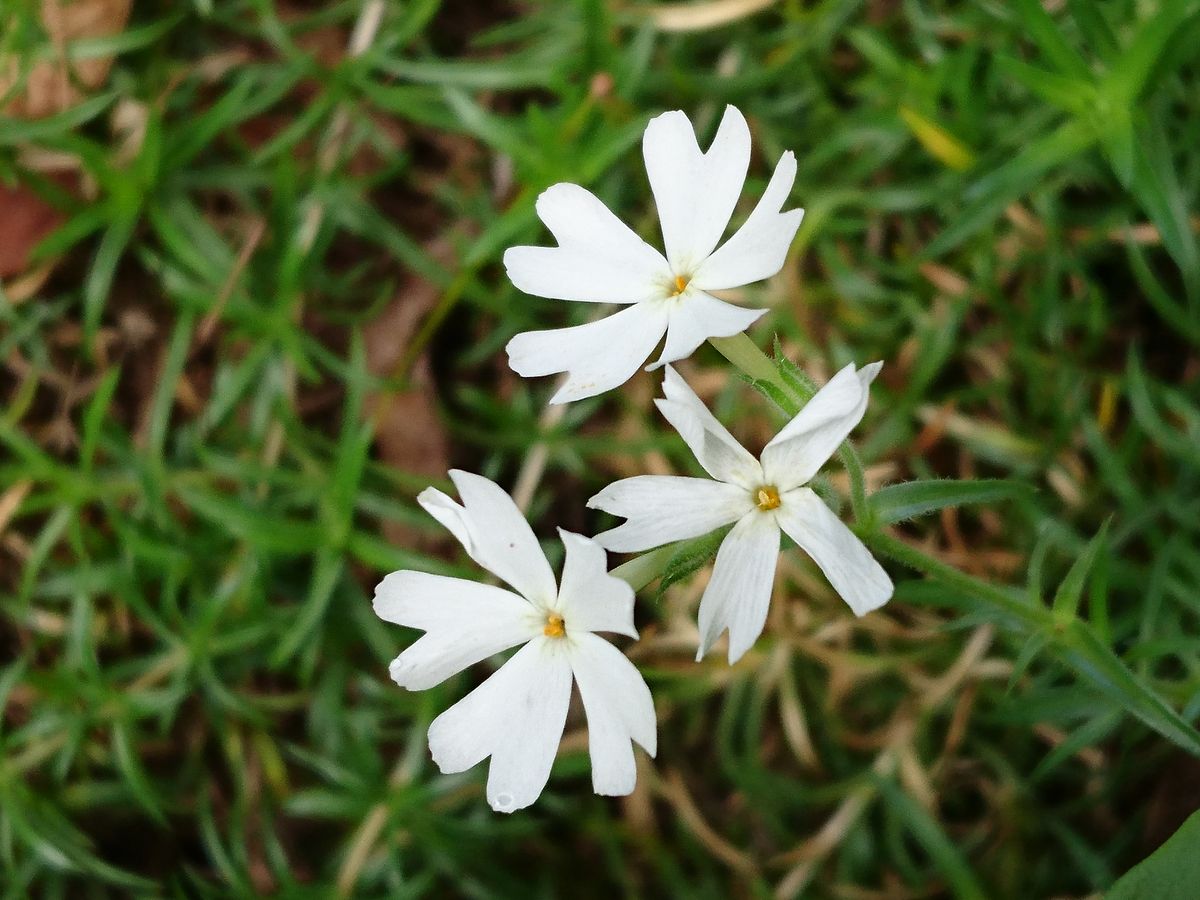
{"type": "Point", "coordinates": [900, 502]}
{"type": "Point", "coordinates": [196, 501]}
{"type": "Point", "coordinates": [1070, 591]}
{"type": "Point", "coordinates": [688, 557]}
{"type": "Point", "coordinates": [1170, 873]}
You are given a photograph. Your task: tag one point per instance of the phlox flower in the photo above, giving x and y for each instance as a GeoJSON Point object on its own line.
{"type": "Point", "coordinates": [518, 714]}
{"type": "Point", "coordinates": [599, 259]}
{"type": "Point", "coordinates": [762, 497]}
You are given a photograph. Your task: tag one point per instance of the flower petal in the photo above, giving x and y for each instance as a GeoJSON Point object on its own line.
{"type": "Point", "coordinates": [758, 249]}
{"type": "Point", "coordinates": [847, 563]}
{"type": "Point", "coordinates": [598, 257]}
{"type": "Point", "coordinates": [695, 192]}
{"type": "Point", "coordinates": [665, 508]}
{"type": "Point", "coordinates": [695, 319]}
{"type": "Point", "coordinates": [494, 534]}
{"type": "Point", "coordinates": [464, 621]}
{"type": "Point", "coordinates": [795, 454]}
{"type": "Point", "coordinates": [619, 710]}
{"type": "Point", "coordinates": [739, 592]}
{"type": "Point", "coordinates": [714, 447]}
{"type": "Point", "coordinates": [598, 356]}
{"type": "Point", "coordinates": [590, 599]}
{"type": "Point", "coordinates": [516, 717]}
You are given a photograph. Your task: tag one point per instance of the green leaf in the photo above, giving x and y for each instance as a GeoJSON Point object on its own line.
{"type": "Point", "coordinates": [1157, 294]}
{"type": "Point", "coordinates": [1097, 663]}
{"type": "Point", "coordinates": [1033, 646]}
{"type": "Point", "coordinates": [253, 91]}
{"type": "Point", "coordinates": [95, 415]}
{"type": "Point", "coordinates": [898, 502]}
{"type": "Point", "coordinates": [1070, 94]}
{"type": "Point", "coordinates": [775, 394]}
{"type": "Point", "coordinates": [291, 537]}
{"type": "Point", "coordinates": [1097, 33]}
{"type": "Point", "coordinates": [104, 266]}
{"type": "Point", "coordinates": [929, 833]}
{"type": "Point", "coordinates": [354, 446]}
{"type": "Point", "coordinates": [1131, 74]}
{"type": "Point", "coordinates": [140, 786]}
{"type": "Point", "coordinates": [327, 571]}
{"type": "Point", "coordinates": [1066, 598]}
{"type": "Point", "coordinates": [1044, 32]}
{"type": "Point", "coordinates": [690, 556]}
{"type": "Point", "coordinates": [379, 554]}
{"type": "Point", "coordinates": [1087, 735]}
{"type": "Point", "coordinates": [411, 19]}
{"type": "Point", "coordinates": [159, 421]}
{"type": "Point", "coordinates": [1169, 439]}
{"type": "Point", "coordinates": [792, 375]}
{"type": "Point", "coordinates": [15, 131]}
{"type": "Point", "coordinates": [988, 197]}
{"type": "Point", "coordinates": [1157, 187]}
{"type": "Point", "coordinates": [1077, 644]}
{"type": "Point", "coordinates": [1170, 873]}
{"type": "Point", "coordinates": [495, 131]}
{"type": "Point", "coordinates": [1115, 128]}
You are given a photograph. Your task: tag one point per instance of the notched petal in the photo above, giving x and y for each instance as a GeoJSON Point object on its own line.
{"type": "Point", "coordinates": [619, 709]}
{"type": "Point", "coordinates": [591, 599]}
{"type": "Point", "coordinates": [597, 356]}
{"type": "Point", "coordinates": [516, 717]}
{"type": "Point", "coordinates": [494, 533]}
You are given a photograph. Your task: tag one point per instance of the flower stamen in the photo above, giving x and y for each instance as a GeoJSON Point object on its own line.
{"type": "Point", "coordinates": [767, 497]}
{"type": "Point", "coordinates": [554, 626]}
{"type": "Point", "coordinates": [681, 284]}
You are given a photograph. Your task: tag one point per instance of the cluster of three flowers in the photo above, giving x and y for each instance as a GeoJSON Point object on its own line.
{"type": "Point", "coordinates": [517, 716]}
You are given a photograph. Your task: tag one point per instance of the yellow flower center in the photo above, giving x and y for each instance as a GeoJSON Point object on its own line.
{"type": "Point", "coordinates": [681, 284]}
{"type": "Point", "coordinates": [554, 626]}
{"type": "Point", "coordinates": [767, 497]}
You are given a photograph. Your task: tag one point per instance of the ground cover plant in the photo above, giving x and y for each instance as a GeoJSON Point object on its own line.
{"type": "Point", "coordinates": [254, 302]}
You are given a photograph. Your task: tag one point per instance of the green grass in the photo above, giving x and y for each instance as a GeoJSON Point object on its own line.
{"type": "Point", "coordinates": [1001, 204]}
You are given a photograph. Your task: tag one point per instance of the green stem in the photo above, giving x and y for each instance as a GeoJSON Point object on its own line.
{"type": "Point", "coordinates": [745, 355]}
{"type": "Point", "coordinates": [1008, 600]}
{"type": "Point", "coordinates": [1076, 642]}
{"type": "Point", "coordinates": [641, 570]}
{"type": "Point", "coordinates": [858, 482]}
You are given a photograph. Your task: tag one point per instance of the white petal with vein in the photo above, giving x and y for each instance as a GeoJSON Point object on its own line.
{"type": "Point", "coordinates": [494, 534]}
{"type": "Point", "coordinates": [464, 622]}
{"type": "Point", "coordinates": [739, 591]}
{"type": "Point", "coordinates": [663, 508]}
{"type": "Point", "coordinates": [516, 717]}
{"type": "Point", "coordinates": [598, 356]}
{"type": "Point", "coordinates": [695, 191]}
{"type": "Point", "coordinates": [854, 573]}
{"type": "Point", "coordinates": [598, 257]}
{"type": "Point", "coordinates": [590, 599]}
{"type": "Point", "coordinates": [698, 317]}
{"type": "Point", "coordinates": [758, 249]}
{"type": "Point", "coordinates": [619, 710]}
{"type": "Point", "coordinates": [804, 445]}
{"type": "Point", "coordinates": [714, 447]}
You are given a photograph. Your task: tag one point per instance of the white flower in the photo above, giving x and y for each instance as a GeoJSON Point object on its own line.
{"type": "Point", "coordinates": [761, 497]}
{"type": "Point", "coordinates": [517, 715]}
{"type": "Point", "coordinates": [599, 259]}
